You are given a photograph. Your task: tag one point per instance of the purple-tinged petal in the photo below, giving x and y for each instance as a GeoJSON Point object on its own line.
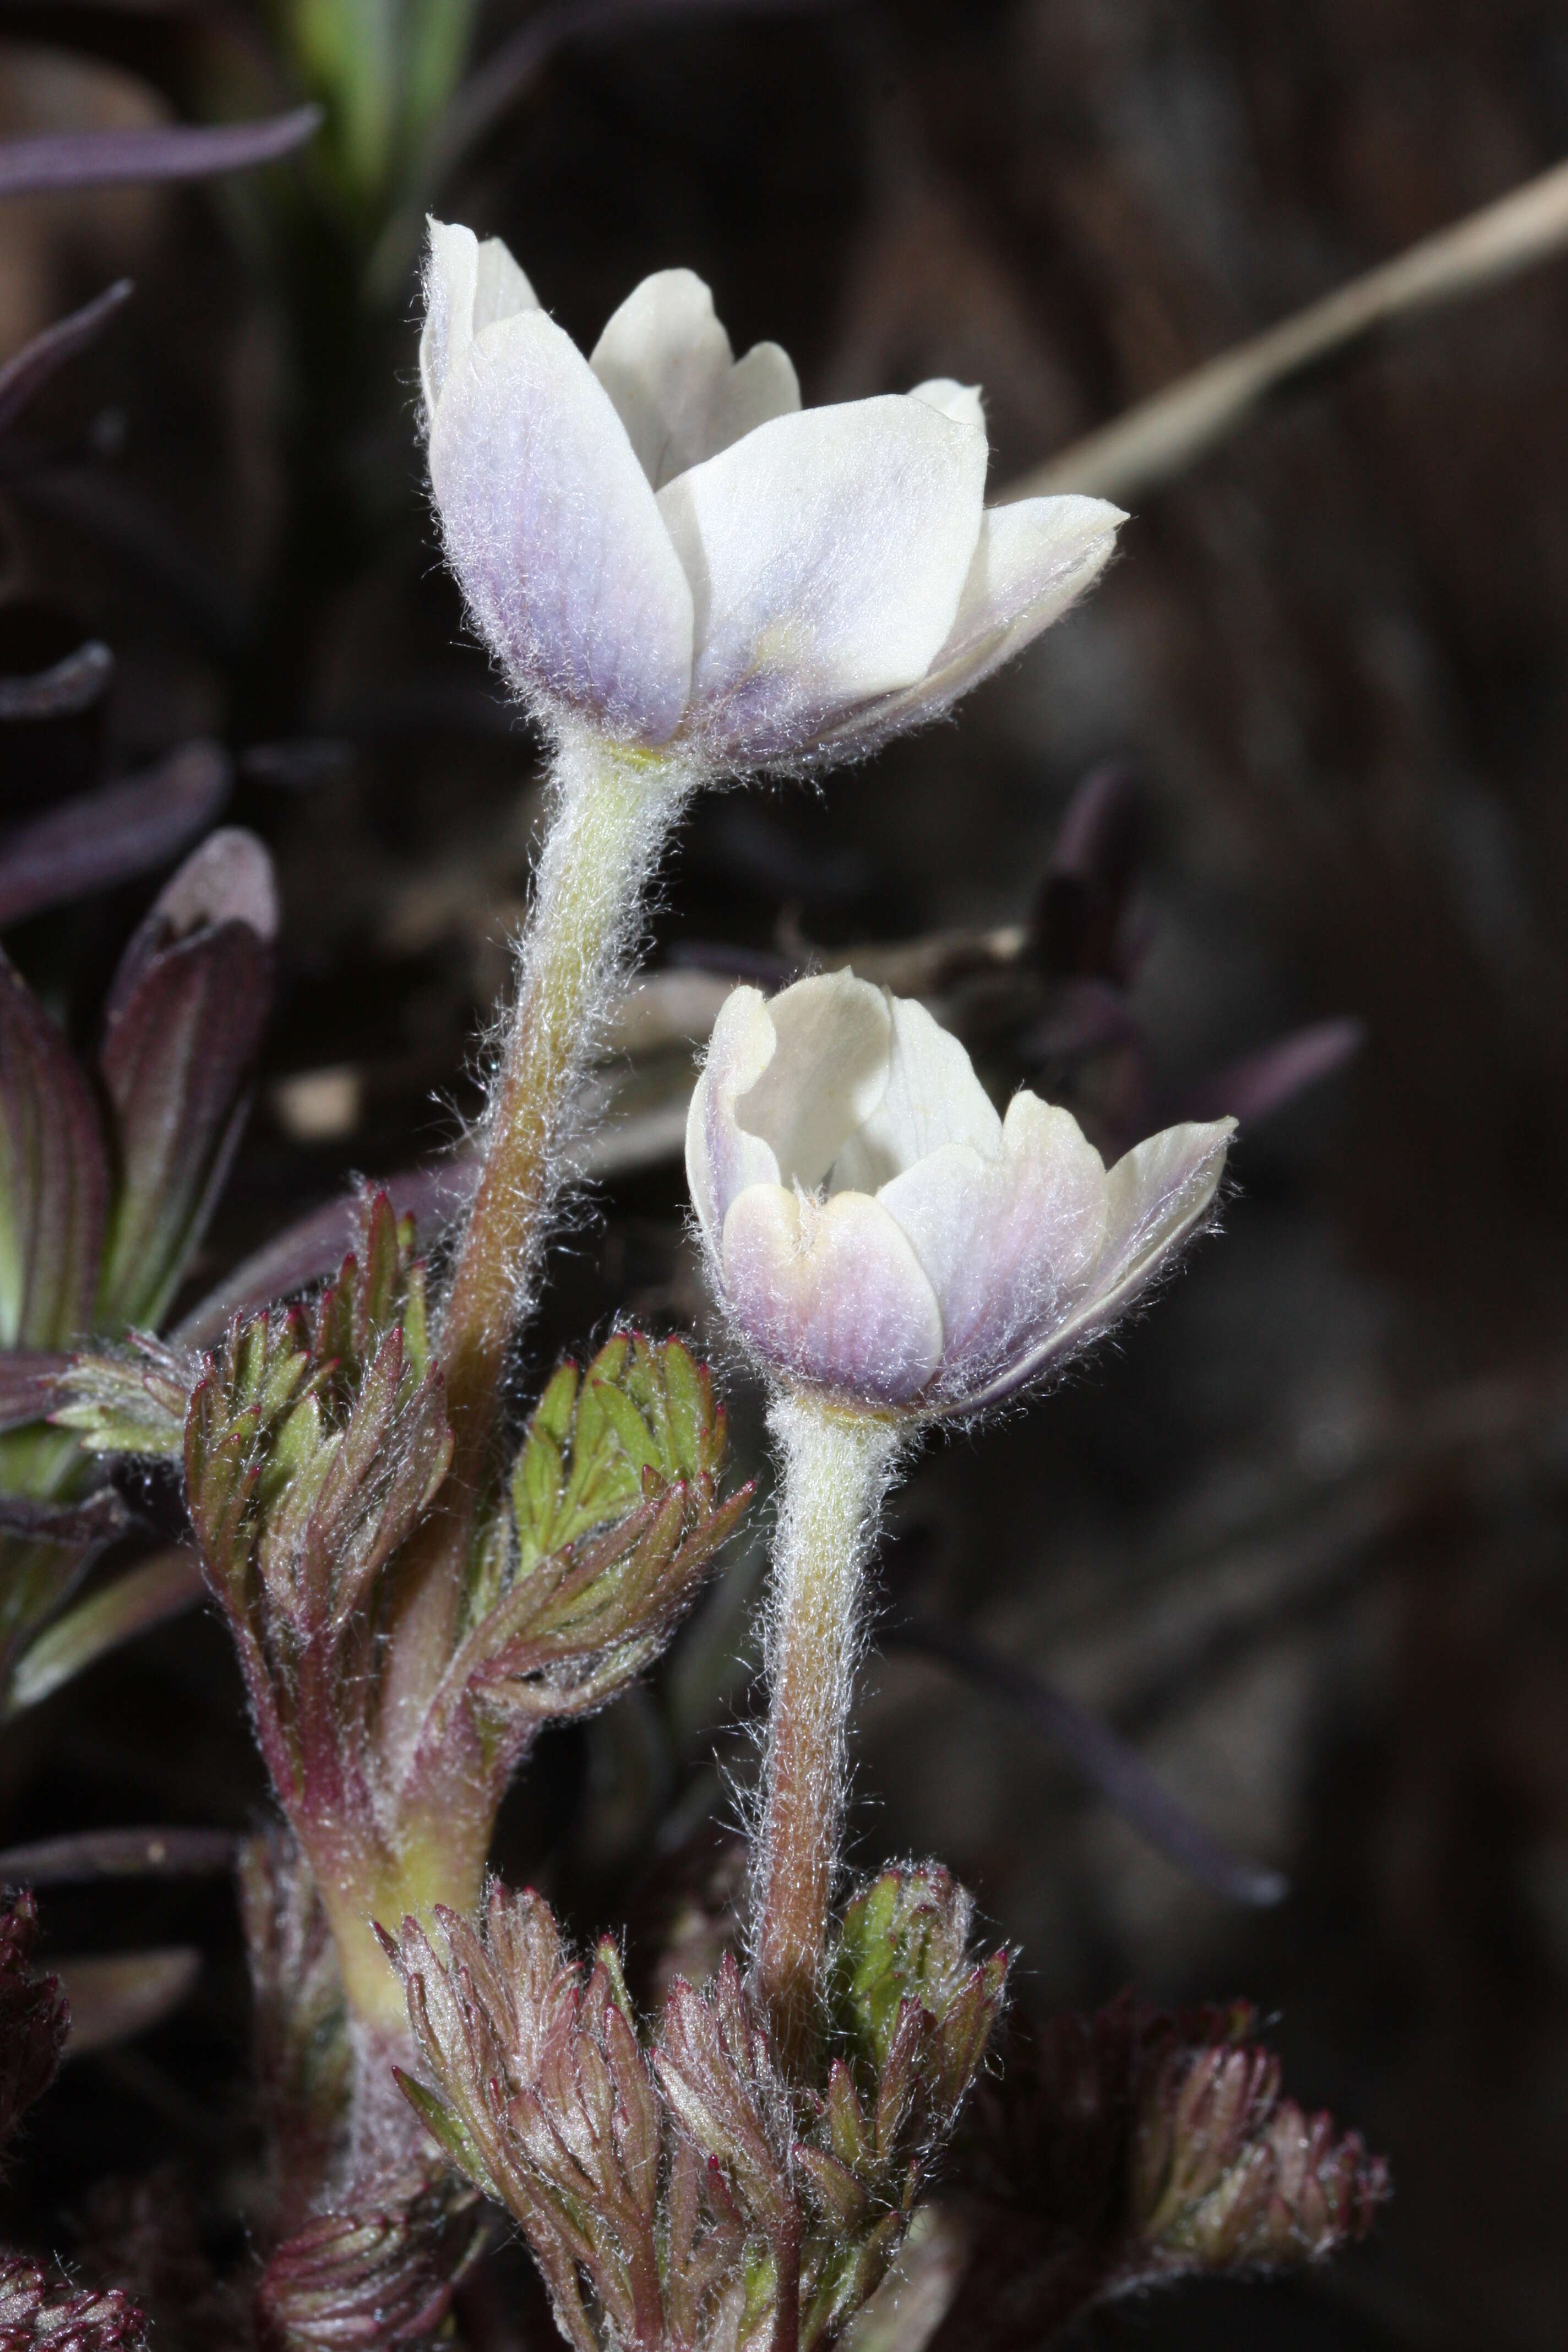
{"type": "Point", "coordinates": [826, 552]}
{"type": "Point", "coordinates": [1008, 1243]}
{"type": "Point", "coordinates": [1156, 1196]}
{"type": "Point", "coordinates": [552, 532]}
{"type": "Point", "coordinates": [832, 1294]}
{"type": "Point", "coordinates": [720, 1157]}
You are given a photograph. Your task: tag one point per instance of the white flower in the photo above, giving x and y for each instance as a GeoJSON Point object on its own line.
{"type": "Point", "coordinates": [658, 541]}
{"type": "Point", "coordinates": [877, 1231]}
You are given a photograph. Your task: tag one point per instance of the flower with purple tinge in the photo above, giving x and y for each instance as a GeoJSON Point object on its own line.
{"type": "Point", "coordinates": [878, 1231]}
{"type": "Point", "coordinates": [662, 547]}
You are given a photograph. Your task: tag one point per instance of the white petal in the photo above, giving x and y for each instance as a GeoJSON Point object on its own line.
{"type": "Point", "coordinates": [666, 363]}
{"type": "Point", "coordinates": [1156, 1196]}
{"type": "Point", "coordinates": [832, 1294]}
{"type": "Point", "coordinates": [552, 532]}
{"type": "Point", "coordinates": [757, 389]}
{"type": "Point", "coordinates": [933, 1098]}
{"type": "Point", "coordinates": [961, 402]}
{"type": "Point", "coordinates": [720, 1157]}
{"type": "Point", "coordinates": [827, 1077]}
{"type": "Point", "coordinates": [1032, 561]}
{"type": "Point", "coordinates": [1008, 1240]}
{"type": "Point", "coordinates": [826, 553]}
{"type": "Point", "coordinates": [467, 286]}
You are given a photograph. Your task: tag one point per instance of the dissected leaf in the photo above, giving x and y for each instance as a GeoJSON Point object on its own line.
{"type": "Point", "coordinates": [1133, 2146]}
{"type": "Point", "coordinates": [615, 1513]}
{"type": "Point", "coordinates": [36, 2309]}
{"type": "Point", "coordinates": [379, 2274]}
{"type": "Point", "coordinates": [130, 1404]}
{"type": "Point", "coordinates": [54, 1177]}
{"type": "Point", "coordinates": [35, 2018]}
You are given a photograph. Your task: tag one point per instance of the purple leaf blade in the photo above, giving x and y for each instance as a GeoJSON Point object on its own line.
{"type": "Point", "coordinates": [107, 837]}
{"type": "Point", "coordinates": [31, 368]}
{"type": "Point", "coordinates": [93, 1855]}
{"type": "Point", "coordinates": [1105, 1760]}
{"type": "Point", "coordinates": [1257, 1084]}
{"type": "Point", "coordinates": [27, 1391]}
{"type": "Point", "coordinates": [113, 1996]}
{"type": "Point", "coordinates": [54, 1177]}
{"type": "Point", "coordinates": [185, 1018]}
{"type": "Point", "coordinates": [99, 159]}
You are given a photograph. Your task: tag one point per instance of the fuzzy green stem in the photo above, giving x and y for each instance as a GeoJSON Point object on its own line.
{"type": "Point", "coordinates": [835, 1465]}
{"type": "Point", "coordinates": [612, 814]}
{"type": "Point", "coordinates": [612, 811]}
{"type": "Point", "coordinates": [429, 1869]}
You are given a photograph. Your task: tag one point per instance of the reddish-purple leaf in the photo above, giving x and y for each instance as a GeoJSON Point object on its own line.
{"type": "Point", "coordinates": [107, 837]}
{"type": "Point", "coordinates": [97, 159]}
{"type": "Point", "coordinates": [92, 1522]}
{"type": "Point", "coordinates": [93, 1854]}
{"type": "Point", "coordinates": [54, 1177]}
{"type": "Point", "coordinates": [229, 880]}
{"type": "Point", "coordinates": [185, 1019]}
{"type": "Point", "coordinates": [1257, 1083]}
{"type": "Point", "coordinates": [1084, 895]}
{"type": "Point", "coordinates": [34, 2018]}
{"type": "Point", "coordinates": [33, 365]}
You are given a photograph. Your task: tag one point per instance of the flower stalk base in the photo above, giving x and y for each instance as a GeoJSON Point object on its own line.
{"type": "Point", "coordinates": [836, 1467]}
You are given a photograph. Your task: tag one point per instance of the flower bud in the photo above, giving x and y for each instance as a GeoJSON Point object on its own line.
{"type": "Point", "coordinates": [658, 543]}
{"type": "Point", "coordinates": [877, 1231]}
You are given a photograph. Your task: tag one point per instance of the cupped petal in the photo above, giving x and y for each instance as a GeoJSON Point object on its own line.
{"type": "Point", "coordinates": [1008, 1240]}
{"type": "Point", "coordinates": [1032, 561]}
{"type": "Point", "coordinates": [826, 552]}
{"type": "Point", "coordinates": [831, 1293]}
{"type": "Point", "coordinates": [722, 1157]}
{"type": "Point", "coordinates": [1156, 1196]}
{"type": "Point", "coordinates": [826, 1078]}
{"type": "Point", "coordinates": [960, 402]}
{"type": "Point", "coordinates": [467, 286]}
{"type": "Point", "coordinates": [553, 533]}
{"type": "Point", "coordinates": [665, 361]}
{"type": "Point", "coordinates": [934, 1099]}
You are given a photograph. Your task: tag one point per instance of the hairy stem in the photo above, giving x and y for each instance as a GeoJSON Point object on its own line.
{"type": "Point", "coordinates": [836, 1467]}
{"type": "Point", "coordinates": [611, 814]}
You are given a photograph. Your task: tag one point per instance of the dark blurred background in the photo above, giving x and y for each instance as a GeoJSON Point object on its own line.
{"type": "Point", "coordinates": [1300, 1537]}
